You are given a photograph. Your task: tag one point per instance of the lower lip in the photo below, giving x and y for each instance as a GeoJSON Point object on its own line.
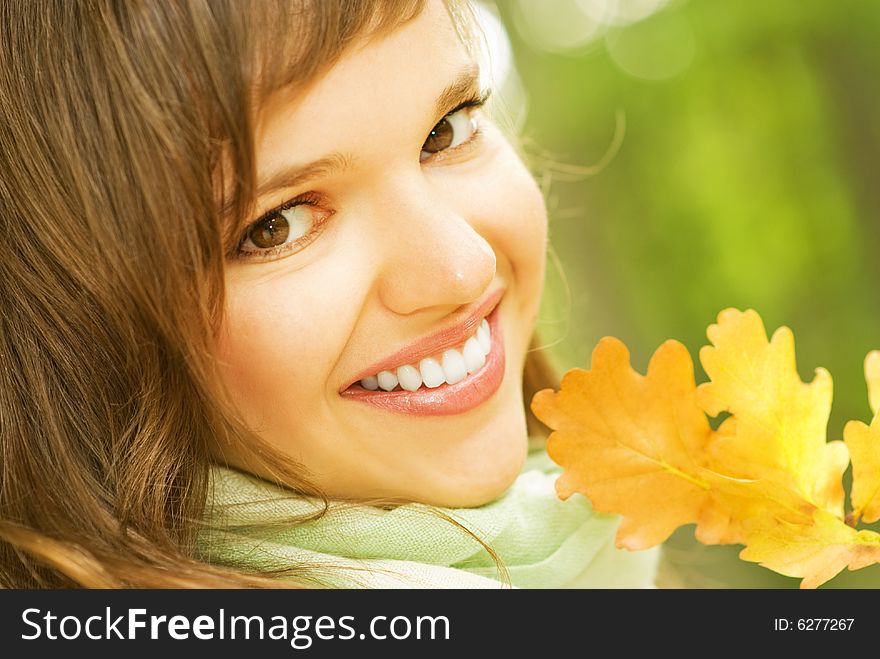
{"type": "Point", "coordinates": [446, 399]}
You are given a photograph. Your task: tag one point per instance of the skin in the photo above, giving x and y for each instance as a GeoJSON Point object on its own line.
{"type": "Point", "coordinates": [408, 248]}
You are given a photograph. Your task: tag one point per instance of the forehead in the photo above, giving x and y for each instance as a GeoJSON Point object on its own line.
{"type": "Point", "coordinates": [384, 81]}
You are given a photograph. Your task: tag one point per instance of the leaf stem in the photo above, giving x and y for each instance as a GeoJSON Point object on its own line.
{"type": "Point", "coordinates": [852, 519]}
{"type": "Point", "coordinates": [693, 480]}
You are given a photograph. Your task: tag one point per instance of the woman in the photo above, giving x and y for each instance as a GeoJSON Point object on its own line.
{"type": "Point", "coordinates": [253, 245]}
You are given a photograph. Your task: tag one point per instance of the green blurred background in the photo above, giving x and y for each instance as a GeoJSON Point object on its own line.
{"type": "Point", "coordinates": [746, 177]}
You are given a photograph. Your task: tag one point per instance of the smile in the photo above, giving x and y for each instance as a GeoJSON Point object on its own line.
{"type": "Point", "coordinates": [454, 365]}
{"type": "Point", "coordinates": [448, 382]}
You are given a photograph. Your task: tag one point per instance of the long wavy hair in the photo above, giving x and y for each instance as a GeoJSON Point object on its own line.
{"type": "Point", "coordinates": [122, 126]}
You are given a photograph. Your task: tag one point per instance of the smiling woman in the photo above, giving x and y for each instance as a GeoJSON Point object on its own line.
{"type": "Point", "coordinates": [266, 312]}
{"type": "Point", "coordinates": [381, 263]}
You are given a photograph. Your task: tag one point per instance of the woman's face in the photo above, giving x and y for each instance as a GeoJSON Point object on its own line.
{"type": "Point", "coordinates": [382, 258]}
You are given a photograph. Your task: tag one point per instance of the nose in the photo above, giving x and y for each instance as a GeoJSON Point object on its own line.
{"type": "Point", "coordinates": [432, 255]}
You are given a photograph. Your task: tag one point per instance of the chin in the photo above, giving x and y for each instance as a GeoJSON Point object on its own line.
{"type": "Point", "coordinates": [485, 479]}
{"type": "Point", "coordinates": [487, 491]}
{"type": "Point", "coordinates": [493, 462]}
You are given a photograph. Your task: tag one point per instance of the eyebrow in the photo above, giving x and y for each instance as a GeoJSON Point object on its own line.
{"type": "Point", "coordinates": [291, 177]}
{"type": "Point", "coordinates": [466, 85]}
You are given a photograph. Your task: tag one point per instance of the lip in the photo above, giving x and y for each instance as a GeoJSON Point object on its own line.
{"type": "Point", "coordinates": [449, 337]}
{"type": "Point", "coordinates": [447, 399]}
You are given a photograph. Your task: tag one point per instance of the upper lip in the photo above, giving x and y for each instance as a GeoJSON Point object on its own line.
{"type": "Point", "coordinates": [447, 337]}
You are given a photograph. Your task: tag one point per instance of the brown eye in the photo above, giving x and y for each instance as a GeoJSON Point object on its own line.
{"type": "Point", "coordinates": [270, 232]}
{"type": "Point", "coordinates": [440, 137]}
{"type": "Point", "coordinates": [452, 130]}
{"type": "Point", "coordinates": [285, 230]}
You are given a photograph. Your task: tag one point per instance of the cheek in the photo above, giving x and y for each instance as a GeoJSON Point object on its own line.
{"type": "Point", "coordinates": [280, 342]}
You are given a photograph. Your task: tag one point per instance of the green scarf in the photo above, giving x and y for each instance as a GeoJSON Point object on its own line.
{"type": "Point", "coordinates": [543, 542]}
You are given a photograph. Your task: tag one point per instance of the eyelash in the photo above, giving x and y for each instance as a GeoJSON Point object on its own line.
{"type": "Point", "coordinates": [313, 199]}
{"type": "Point", "coordinates": [471, 103]}
{"type": "Point", "coordinates": [307, 199]}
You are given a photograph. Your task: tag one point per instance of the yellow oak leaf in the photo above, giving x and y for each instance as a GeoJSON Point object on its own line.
{"type": "Point", "coordinates": [641, 447]}
{"type": "Point", "coordinates": [735, 501]}
{"type": "Point", "coordinates": [630, 443]}
{"type": "Point", "coordinates": [815, 552]}
{"type": "Point", "coordinates": [872, 375]}
{"type": "Point", "coordinates": [864, 447]}
{"type": "Point", "coordinates": [780, 421]}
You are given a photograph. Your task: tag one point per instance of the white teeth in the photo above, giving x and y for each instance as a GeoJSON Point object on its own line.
{"type": "Point", "coordinates": [474, 358]}
{"type": "Point", "coordinates": [410, 377]}
{"type": "Point", "coordinates": [483, 337]}
{"type": "Point", "coordinates": [454, 368]}
{"type": "Point", "coordinates": [387, 380]}
{"type": "Point", "coordinates": [432, 373]}
{"type": "Point", "coordinates": [456, 365]}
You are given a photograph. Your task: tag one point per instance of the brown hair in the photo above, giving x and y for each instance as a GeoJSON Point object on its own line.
{"type": "Point", "coordinates": [115, 119]}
